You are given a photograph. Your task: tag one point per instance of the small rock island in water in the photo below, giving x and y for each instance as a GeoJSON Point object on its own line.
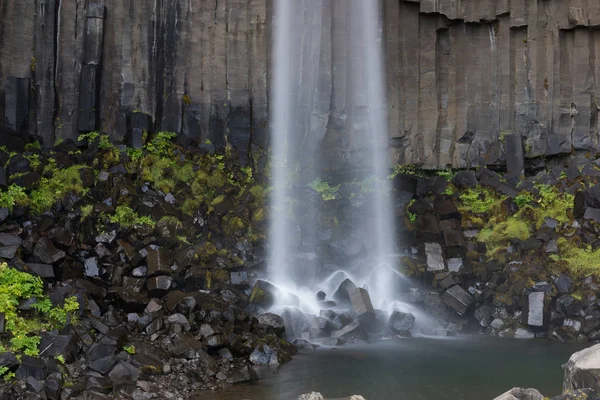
{"type": "Point", "coordinates": [195, 193]}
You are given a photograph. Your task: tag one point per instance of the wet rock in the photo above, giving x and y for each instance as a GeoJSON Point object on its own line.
{"type": "Point", "coordinates": [521, 394]}
{"type": "Point", "coordinates": [263, 294]}
{"type": "Point", "coordinates": [4, 213]}
{"type": "Point", "coordinates": [101, 357]}
{"type": "Point", "coordinates": [264, 355]}
{"type": "Point", "coordinates": [41, 270]}
{"type": "Point", "coordinates": [134, 285]}
{"type": "Point", "coordinates": [401, 323]}
{"type": "Point", "coordinates": [238, 278]}
{"type": "Point", "coordinates": [361, 304]}
{"type": "Point", "coordinates": [8, 360]}
{"type": "Point", "coordinates": [155, 326]}
{"type": "Point", "coordinates": [464, 179]}
{"type": "Point", "coordinates": [123, 374]}
{"type": "Point", "coordinates": [523, 333]}
{"type": "Point", "coordinates": [225, 353]}
{"type": "Point", "coordinates": [91, 267]}
{"type": "Point", "coordinates": [158, 286]}
{"type": "Point", "coordinates": [311, 396]}
{"type": "Point", "coordinates": [533, 314]}
{"type": "Point", "coordinates": [352, 328]}
{"type": "Point", "coordinates": [320, 327]}
{"type": "Point", "coordinates": [45, 251]}
{"type": "Point", "coordinates": [455, 264]}
{"type": "Point", "coordinates": [579, 394]}
{"type": "Point", "coordinates": [583, 370]}
{"type": "Point", "coordinates": [244, 373]}
{"type": "Point", "coordinates": [272, 320]}
{"type": "Point", "coordinates": [458, 299]}
{"type": "Point", "coordinates": [54, 345]}
{"type": "Point", "coordinates": [484, 315]}
{"type": "Point", "coordinates": [9, 244]}
{"type": "Point", "coordinates": [343, 292]}
{"type": "Point", "coordinates": [159, 261]}
{"type": "Point", "coordinates": [435, 258]}
{"type": "Point", "coordinates": [573, 324]}
{"type": "Point", "coordinates": [53, 385]}
{"type": "Point", "coordinates": [563, 283]}
{"type": "Point", "coordinates": [295, 323]}
{"type": "Point", "coordinates": [179, 319]}
{"type": "Point", "coordinates": [568, 306]}
{"type": "Point", "coordinates": [131, 302]}
{"type": "Point", "coordinates": [107, 237]}
{"type": "Point", "coordinates": [31, 367]}
{"type": "Point", "coordinates": [218, 340]}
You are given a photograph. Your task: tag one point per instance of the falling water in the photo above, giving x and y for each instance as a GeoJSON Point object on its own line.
{"type": "Point", "coordinates": [294, 163]}
{"type": "Point", "coordinates": [281, 130]}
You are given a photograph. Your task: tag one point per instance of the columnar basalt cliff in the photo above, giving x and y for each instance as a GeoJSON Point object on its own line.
{"type": "Point", "coordinates": [461, 74]}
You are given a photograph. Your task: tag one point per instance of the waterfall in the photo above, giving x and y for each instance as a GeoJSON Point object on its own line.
{"type": "Point", "coordinates": [297, 157]}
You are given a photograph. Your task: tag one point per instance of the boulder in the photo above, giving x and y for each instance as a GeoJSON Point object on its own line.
{"type": "Point", "coordinates": [263, 294]}
{"type": "Point", "coordinates": [400, 323]}
{"type": "Point", "coordinates": [524, 333]}
{"type": "Point", "coordinates": [352, 328]}
{"type": "Point", "coordinates": [45, 251]}
{"type": "Point", "coordinates": [272, 320]}
{"type": "Point", "coordinates": [484, 315]}
{"type": "Point", "coordinates": [264, 355]}
{"type": "Point", "coordinates": [101, 357]}
{"type": "Point", "coordinates": [458, 299]}
{"type": "Point", "coordinates": [31, 367]}
{"type": "Point", "coordinates": [311, 396]}
{"type": "Point", "coordinates": [41, 270]}
{"type": "Point", "coordinates": [521, 394]}
{"type": "Point", "coordinates": [464, 179]}
{"type": "Point", "coordinates": [533, 311]}
{"type": "Point", "coordinates": [361, 304]}
{"type": "Point", "coordinates": [342, 294]}
{"type": "Point", "coordinates": [435, 258]}
{"type": "Point", "coordinates": [583, 370]}
{"type": "Point", "coordinates": [244, 373]}
{"type": "Point", "coordinates": [158, 286]}
{"type": "Point", "coordinates": [568, 305]}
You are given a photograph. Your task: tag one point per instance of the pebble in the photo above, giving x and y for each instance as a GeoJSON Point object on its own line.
{"type": "Point", "coordinates": [166, 369]}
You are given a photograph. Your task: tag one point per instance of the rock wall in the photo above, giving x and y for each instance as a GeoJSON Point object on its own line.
{"type": "Point", "coordinates": [461, 74]}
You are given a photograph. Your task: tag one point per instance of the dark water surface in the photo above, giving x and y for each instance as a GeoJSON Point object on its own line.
{"type": "Point", "coordinates": [415, 369]}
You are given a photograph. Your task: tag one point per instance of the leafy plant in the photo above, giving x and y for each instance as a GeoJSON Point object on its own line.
{"type": "Point", "coordinates": [61, 183]}
{"type": "Point", "coordinates": [16, 286]}
{"type": "Point", "coordinates": [412, 217]}
{"type": "Point", "coordinates": [126, 217]}
{"type": "Point", "coordinates": [129, 349]}
{"type": "Point", "coordinates": [479, 200]}
{"type": "Point", "coordinates": [322, 187]}
{"type": "Point", "coordinates": [523, 199]}
{"type": "Point", "coordinates": [161, 144]}
{"type": "Point", "coordinates": [12, 196]}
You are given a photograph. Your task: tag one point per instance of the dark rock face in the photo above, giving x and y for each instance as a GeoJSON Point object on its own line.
{"type": "Point", "coordinates": [134, 52]}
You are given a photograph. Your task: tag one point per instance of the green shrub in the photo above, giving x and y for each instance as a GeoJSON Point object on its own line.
{"type": "Point", "coordinates": [126, 217]}
{"type": "Point", "coordinates": [580, 261]}
{"type": "Point", "coordinates": [479, 200]}
{"type": "Point", "coordinates": [523, 199]}
{"type": "Point", "coordinates": [61, 183]}
{"type": "Point", "coordinates": [512, 228]}
{"type": "Point", "coordinates": [16, 286]}
{"type": "Point", "coordinates": [327, 192]}
{"type": "Point", "coordinates": [12, 196]}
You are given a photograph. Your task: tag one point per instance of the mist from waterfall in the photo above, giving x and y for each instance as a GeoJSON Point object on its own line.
{"type": "Point", "coordinates": [296, 159]}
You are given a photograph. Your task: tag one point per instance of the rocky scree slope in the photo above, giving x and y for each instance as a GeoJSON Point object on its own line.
{"type": "Point", "coordinates": [130, 271]}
